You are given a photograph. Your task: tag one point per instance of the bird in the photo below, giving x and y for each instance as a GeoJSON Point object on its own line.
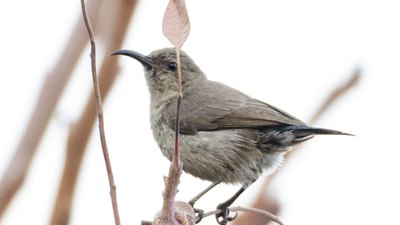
{"type": "Point", "coordinates": [226, 136]}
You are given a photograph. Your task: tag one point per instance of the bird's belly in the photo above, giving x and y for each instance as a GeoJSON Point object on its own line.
{"type": "Point", "coordinates": [229, 156]}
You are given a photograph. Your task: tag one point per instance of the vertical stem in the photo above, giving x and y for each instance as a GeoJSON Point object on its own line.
{"type": "Point", "coordinates": [99, 109]}
{"type": "Point", "coordinates": [178, 106]}
{"type": "Point", "coordinates": [178, 62]}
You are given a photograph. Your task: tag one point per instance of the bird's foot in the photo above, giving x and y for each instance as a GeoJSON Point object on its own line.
{"type": "Point", "coordinates": [223, 217]}
{"type": "Point", "coordinates": [199, 214]}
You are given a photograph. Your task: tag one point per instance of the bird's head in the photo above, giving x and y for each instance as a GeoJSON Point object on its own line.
{"type": "Point", "coordinates": [161, 70]}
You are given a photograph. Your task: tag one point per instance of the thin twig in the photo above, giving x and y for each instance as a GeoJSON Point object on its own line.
{"type": "Point", "coordinates": [119, 12]}
{"type": "Point", "coordinates": [99, 109]}
{"type": "Point", "coordinates": [178, 107]}
{"type": "Point", "coordinates": [266, 214]}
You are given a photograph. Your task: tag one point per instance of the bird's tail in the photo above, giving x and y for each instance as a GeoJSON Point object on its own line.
{"type": "Point", "coordinates": [314, 130]}
{"type": "Point", "coordinates": [276, 139]}
{"type": "Point", "coordinates": [303, 132]}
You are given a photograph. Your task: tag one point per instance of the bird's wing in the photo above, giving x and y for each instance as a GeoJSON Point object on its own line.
{"type": "Point", "coordinates": [215, 106]}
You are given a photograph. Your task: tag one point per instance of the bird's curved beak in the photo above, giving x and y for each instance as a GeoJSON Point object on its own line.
{"type": "Point", "coordinates": [146, 61]}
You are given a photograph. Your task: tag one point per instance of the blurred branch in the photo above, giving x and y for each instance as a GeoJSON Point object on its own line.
{"type": "Point", "coordinates": [49, 96]}
{"type": "Point", "coordinates": [336, 95]}
{"type": "Point", "coordinates": [121, 14]}
{"type": "Point", "coordinates": [263, 200]}
{"type": "Point", "coordinates": [100, 115]}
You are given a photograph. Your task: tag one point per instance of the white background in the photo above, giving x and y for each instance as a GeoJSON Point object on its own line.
{"type": "Point", "coordinates": [288, 53]}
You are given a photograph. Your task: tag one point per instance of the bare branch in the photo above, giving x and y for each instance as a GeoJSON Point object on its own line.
{"type": "Point", "coordinates": [99, 109]}
{"type": "Point", "coordinates": [80, 132]}
{"type": "Point", "coordinates": [167, 216]}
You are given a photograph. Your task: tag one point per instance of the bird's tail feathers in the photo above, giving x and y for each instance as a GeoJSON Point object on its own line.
{"type": "Point", "coordinates": [302, 130]}
{"type": "Point", "coordinates": [279, 138]}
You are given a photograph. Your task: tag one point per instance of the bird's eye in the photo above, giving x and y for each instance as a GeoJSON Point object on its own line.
{"type": "Point", "coordinates": [172, 66]}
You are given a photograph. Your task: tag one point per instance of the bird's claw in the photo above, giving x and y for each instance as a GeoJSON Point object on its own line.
{"type": "Point", "coordinates": [223, 217]}
{"type": "Point", "coordinates": [199, 215]}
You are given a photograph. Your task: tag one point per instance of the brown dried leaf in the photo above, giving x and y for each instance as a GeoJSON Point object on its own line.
{"type": "Point", "coordinates": [184, 215]}
{"type": "Point", "coordinates": [176, 25]}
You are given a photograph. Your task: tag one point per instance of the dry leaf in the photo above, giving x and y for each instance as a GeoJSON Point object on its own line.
{"type": "Point", "coordinates": [176, 25]}
{"type": "Point", "coordinates": [184, 215]}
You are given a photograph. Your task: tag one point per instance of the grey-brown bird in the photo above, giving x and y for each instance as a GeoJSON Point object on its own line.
{"type": "Point", "coordinates": [225, 135]}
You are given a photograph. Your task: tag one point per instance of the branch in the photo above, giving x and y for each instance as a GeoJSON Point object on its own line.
{"type": "Point", "coordinates": [120, 14]}
{"type": "Point", "coordinates": [99, 109]}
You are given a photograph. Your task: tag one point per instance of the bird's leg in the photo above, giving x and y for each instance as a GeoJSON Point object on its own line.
{"type": "Point", "coordinates": [197, 197]}
{"type": "Point", "coordinates": [223, 217]}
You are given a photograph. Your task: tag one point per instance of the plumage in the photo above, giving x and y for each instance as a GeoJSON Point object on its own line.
{"type": "Point", "coordinates": [225, 135]}
{"type": "Point", "coordinates": [209, 106]}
